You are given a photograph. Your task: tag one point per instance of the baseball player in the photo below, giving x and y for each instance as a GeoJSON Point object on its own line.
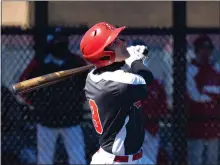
{"type": "Point", "coordinates": [114, 90]}
{"type": "Point", "coordinates": [58, 108]}
{"type": "Point", "coordinates": [203, 102]}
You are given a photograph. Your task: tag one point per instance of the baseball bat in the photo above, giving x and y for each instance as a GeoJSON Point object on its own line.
{"type": "Point", "coordinates": [48, 79]}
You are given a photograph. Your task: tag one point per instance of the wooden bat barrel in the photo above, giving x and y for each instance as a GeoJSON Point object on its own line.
{"type": "Point", "coordinates": [48, 79]}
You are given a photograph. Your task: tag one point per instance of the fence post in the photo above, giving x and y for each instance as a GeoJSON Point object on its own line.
{"type": "Point", "coordinates": [41, 24]}
{"type": "Point", "coordinates": [179, 85]}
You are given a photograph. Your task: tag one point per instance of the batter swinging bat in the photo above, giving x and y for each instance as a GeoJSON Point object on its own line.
{"type": "Point", "coordinates": [52, 78]}
{"type": "Point", "coordinates": [48, 79]}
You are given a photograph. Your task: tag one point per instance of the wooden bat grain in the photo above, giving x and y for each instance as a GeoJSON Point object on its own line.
{"type": "Point", "coordinates": [48, 79]}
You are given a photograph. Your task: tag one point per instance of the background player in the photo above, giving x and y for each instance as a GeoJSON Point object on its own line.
{"type": "Point", "coordinates": [114, 90]}
{"type": "Point", "coordinates": [203, 103]}
{"type": "Point", "coordinates": [54, 118]}
{"type": "Point", "coordinates": [155, 109]}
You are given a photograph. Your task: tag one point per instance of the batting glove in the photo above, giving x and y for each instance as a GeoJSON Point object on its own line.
{"type": "Point", "coordinates": [138, 52]}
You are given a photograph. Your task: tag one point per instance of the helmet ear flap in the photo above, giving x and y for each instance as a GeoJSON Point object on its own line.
{"type": "Point", "coordinates": [108, 58]}
{"type": "Point", "coordinates": [105, 58]}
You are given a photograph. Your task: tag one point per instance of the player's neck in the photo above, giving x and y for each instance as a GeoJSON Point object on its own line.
{"type": "Point", "coordinates": [113, 67]}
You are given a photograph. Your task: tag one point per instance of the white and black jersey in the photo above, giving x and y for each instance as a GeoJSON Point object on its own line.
{"type": "Point", "coordinates": [114, 95]}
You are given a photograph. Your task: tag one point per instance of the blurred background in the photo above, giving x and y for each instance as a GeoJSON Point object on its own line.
{"type": "Point", "coordinates": [53, 125]}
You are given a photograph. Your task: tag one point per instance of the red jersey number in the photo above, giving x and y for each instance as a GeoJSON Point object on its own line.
{"type": "Point", "coordinates": [95, 116]}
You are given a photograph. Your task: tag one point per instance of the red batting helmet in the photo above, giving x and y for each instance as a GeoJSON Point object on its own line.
{"type": "Point", "coordinates": [94, 42]}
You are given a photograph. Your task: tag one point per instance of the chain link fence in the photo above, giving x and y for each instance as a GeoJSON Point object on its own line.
{"type": "Point", "coordinates": [20, 123]}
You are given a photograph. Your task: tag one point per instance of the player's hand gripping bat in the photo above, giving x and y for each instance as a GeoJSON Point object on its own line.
{"type": "Point", "coordinates": [52, 78]}
{"type": "Point", "coordinates": [48, 79]}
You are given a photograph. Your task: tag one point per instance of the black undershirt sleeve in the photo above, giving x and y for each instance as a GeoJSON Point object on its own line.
{"type": "Point", "coordinates": [135, 92]}
{"type": "Point", "coordinates": [139, 68]}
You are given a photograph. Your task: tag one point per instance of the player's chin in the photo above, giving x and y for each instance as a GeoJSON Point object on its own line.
{"type": "Point", "coordinates": [120, 58]}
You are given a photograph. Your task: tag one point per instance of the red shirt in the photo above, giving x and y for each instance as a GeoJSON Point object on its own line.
{"type": "Point", "coordinates": [203, 100]}
{"type": "Point", "coordinates": [155, 106]}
